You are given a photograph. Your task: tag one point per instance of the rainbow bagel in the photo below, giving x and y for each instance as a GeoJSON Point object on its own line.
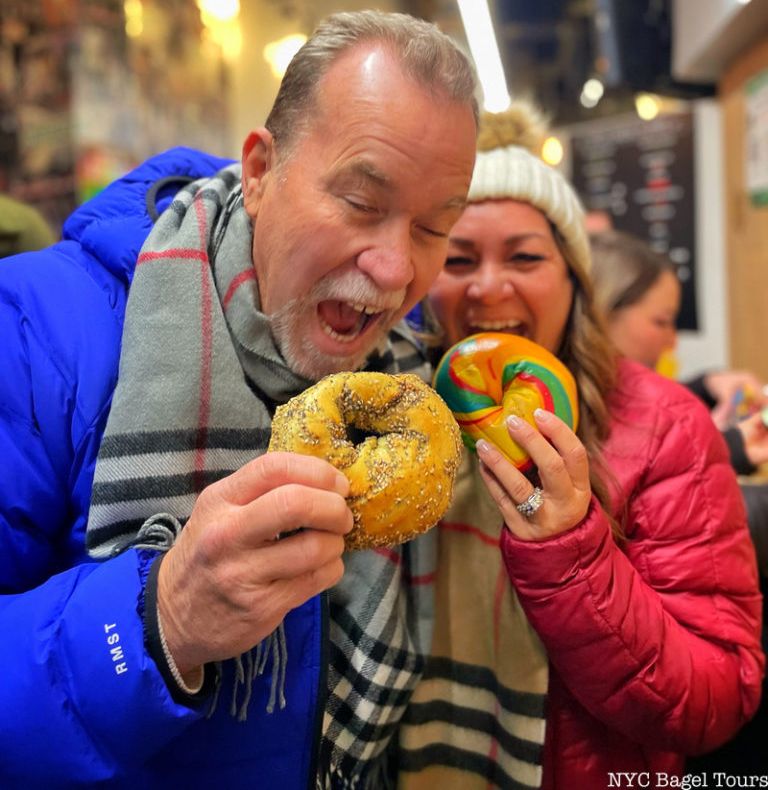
{"type": "Point", "coordinates": [489, 376]}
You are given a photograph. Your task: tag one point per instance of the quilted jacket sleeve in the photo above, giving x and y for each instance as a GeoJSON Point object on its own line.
{"type": "Point", "coordinates": [658, 638]}
{"type": "Point", "coordinates": [73, 663]}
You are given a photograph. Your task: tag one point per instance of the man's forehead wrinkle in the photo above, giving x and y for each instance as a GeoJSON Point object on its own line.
{"type": "Point", "coordinates": [366, 171]}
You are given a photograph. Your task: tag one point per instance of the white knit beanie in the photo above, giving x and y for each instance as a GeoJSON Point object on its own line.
{"type": "Point", "coordinates": [507, 169]}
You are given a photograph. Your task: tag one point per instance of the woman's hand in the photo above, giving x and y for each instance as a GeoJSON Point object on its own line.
{"type": "Point", "coordinates": [563, 468]}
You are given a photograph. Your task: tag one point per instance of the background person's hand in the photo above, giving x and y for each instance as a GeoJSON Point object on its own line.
{"type": "Point", "coordinates": [563, 469]}
{"type": "Point", "coordinates": [228, 582]}
{"type": "Point", "coordinates": [755, 435]}
{"type": "Point", "coordinates": [732, 389]}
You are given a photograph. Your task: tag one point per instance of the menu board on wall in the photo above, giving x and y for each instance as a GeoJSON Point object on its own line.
{"type": "Point", "coordinates": [640, 176]}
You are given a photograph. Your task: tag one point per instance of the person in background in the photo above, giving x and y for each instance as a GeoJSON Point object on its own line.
{"type": "Point", "coordinates": [155, 632]}
{"type": "Point", "coordinates": [639, 293]}
{"type": "Point", "coordinates": [603, 615]}
{"type": "Point", "coordinates": [22, 228]}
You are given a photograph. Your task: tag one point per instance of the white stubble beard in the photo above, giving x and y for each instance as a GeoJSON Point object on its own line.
{"type": "Point", "coordinates": [290, 338]}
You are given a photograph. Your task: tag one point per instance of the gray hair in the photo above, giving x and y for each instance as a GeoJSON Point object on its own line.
{"type": "Point", "coordinates": [426, 54]}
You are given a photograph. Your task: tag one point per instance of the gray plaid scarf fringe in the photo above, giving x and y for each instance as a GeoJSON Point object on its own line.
{"type": "Point", "coordinates": [199, 379]}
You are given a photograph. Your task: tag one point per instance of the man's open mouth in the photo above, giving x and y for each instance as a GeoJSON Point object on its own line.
{"type": "Point", "coordinates": [345, 321]}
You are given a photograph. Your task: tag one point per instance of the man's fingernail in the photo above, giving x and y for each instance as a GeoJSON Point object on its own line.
{"type": "Point", "coordinates": [541, 415]}
{"type": "Point", "coordinates": [342, 483]}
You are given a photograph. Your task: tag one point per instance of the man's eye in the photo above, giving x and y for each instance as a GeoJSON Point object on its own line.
{"type": "Point", "coordinates": [358, 206]}
{"type": "Point", "coordinates": [431, 232]}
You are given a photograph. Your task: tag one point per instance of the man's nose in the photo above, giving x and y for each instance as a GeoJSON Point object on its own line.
{"type": "Point", "coordinates": [389, 260]}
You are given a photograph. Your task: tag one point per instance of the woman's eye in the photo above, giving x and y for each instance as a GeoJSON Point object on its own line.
{"type": "Point", "coordinates": [457, 261]}
{"type": "Point", "coordinates": [526, 257]}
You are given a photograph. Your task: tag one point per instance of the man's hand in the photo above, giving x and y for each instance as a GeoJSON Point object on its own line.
{"type": "Point", "coordinates": [229, 581]}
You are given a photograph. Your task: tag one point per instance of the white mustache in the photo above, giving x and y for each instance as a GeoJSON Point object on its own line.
{"type": "Point", "coordinates": [356, 288]}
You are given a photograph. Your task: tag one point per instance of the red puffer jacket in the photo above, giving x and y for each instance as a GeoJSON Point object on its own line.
{"type": "Point", "coordinates": [654, 646]}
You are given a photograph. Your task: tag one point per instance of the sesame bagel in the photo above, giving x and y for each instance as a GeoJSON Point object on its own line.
{"type": "Point", "coordinates": [394, 439]}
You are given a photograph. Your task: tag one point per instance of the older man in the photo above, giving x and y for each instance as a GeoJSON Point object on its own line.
{"type": "Point", "coordinates": [208, 655]}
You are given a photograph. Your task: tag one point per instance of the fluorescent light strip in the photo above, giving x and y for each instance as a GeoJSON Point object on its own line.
{"type": "Point", "coordinates": [485, 52]}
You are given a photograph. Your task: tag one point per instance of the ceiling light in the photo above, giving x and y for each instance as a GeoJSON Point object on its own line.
{"type": "Point", "coordinates": [593, 90]}
{"type": "Point", "coordinates": [134, 18]}
{"type": "Point", "coordinates": [220, 10]}
{"type": "Point", "coordinates": [279, 53]}
{"type": "Point", "coordinates": [552, 151]}
{"type": "Point", "coordinates": [647, 105]}
{"type": "Point", "coordinates": [485, 52]}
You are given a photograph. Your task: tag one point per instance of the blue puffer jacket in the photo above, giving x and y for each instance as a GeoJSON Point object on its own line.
{"type": "Point", "coordinates": [82, 703]}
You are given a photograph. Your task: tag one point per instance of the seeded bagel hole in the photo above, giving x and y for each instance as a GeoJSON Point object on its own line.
{"type": "Point", "coordinates": [357, 435]}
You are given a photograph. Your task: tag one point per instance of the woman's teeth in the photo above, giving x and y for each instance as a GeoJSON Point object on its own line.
{"type": "Point", "coordinates": [496, 326]}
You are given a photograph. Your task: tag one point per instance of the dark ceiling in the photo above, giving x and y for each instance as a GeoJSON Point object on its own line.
{"type": "Point", "coordinates": [549, 48]}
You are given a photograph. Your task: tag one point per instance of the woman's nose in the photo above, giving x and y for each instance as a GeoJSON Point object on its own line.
{"type": "Point", "coordinates": [490, 285]}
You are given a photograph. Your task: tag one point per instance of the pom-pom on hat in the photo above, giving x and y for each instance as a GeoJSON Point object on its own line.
{"type": "Point", "coordinates": [508, 167]}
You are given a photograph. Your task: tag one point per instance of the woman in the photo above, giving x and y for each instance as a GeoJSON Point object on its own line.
{"type": "Point", "coordinates": [616, 627]}
{"type": "Point", "coordinates": [637, 290]}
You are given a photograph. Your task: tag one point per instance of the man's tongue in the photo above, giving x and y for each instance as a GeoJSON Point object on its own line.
{"type": "Point", "coordinates": [340, 316]}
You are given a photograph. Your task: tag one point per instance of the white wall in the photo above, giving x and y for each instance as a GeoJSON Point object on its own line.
{"type": "Point", "coordinates": [708, 347]}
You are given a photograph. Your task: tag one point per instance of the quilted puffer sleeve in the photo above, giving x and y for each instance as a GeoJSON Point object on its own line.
{"type": "Point", "coordinates": [657, 635]}
{"type": "Point", "coordinates": [79, 695]}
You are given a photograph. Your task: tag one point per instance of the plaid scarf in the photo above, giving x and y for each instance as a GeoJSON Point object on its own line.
{"type": "Point", "coordinates": [476, 719]}
{"type": "Point", "coordinates": [199, 379]}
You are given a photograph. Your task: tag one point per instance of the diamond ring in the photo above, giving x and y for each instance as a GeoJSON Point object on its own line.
{"type": "Point", "coordinates": [532, 504]}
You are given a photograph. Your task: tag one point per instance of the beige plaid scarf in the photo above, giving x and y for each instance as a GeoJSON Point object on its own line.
{"type": "Point", "coordinates": [476, 719]}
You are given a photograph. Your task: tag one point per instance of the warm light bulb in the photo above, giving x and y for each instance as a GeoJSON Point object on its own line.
{"type": "Point", "coordinates": [220, 10]}
{"type": "Point", "coordinates": [593, 90]}
{"type": "Point", "coordinates": [552, 151]}
{"type": "Point", "coordinates": [279, 53]}
{"type": "Point", "coordinates": [647, 106]}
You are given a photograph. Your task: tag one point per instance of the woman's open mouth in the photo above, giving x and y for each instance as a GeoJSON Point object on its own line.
{"type": "Point", "coordinates": [508, 326]}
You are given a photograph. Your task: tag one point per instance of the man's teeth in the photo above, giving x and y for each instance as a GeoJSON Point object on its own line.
{"type": "Point", "coordinates": [495, 326]}
{"type": "Point", "coordinates": [365, 308]}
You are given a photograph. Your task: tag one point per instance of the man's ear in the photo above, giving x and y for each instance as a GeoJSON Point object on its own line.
{"type": "Point", "coordinates": [258, 158]}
